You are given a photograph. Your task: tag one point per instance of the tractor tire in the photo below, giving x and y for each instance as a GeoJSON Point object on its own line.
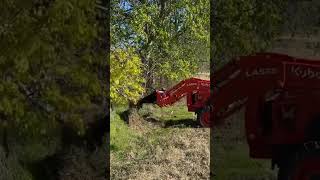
{"type": "Point", "coordinates": [202, 119]}
{"type": "Point", "coordinates": [303, 165]}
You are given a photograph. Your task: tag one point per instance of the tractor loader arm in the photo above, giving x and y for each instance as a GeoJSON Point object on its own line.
{"type": "Point", "coordinates": [195, 89]}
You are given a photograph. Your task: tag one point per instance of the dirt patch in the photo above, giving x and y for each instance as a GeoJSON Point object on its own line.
{"type": "Point", "coordinates": [138, 122]}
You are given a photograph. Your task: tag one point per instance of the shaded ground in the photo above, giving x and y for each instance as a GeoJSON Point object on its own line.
{"type": "Point", "coordinates": [135, 120]}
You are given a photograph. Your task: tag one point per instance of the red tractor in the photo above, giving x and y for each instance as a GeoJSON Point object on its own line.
{"type": "Point", "coordinates": [281, 96]}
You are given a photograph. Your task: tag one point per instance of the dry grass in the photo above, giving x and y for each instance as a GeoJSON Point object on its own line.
{"type": "Point", "coordinates": [163, 153]}
{"type": "Point", "coordinates": [180, 155]}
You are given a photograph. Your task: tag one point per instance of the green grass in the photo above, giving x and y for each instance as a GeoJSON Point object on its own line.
{"type": "Point", "coordinates": [121, 136]}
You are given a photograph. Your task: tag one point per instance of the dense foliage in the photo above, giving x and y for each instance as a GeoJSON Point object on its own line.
{"type": "Point", "coordinates": [47, 65]}
{"type": "Point", "coordinates": [52, 69]}
{"type": "Point", "coordinates": [125, 76]}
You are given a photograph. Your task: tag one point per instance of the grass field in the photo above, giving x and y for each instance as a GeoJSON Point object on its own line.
{"type": "Point", "coordinates": [146, 151]}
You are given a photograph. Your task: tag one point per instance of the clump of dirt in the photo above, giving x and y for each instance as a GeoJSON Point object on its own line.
{"type": "Point", "coordinates": [139, 123]}
{"type": "Point", "coordinates": [134, 119]}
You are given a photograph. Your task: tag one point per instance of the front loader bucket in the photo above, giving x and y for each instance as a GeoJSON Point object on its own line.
{"type": "Point", "coordinates": [151, 98]}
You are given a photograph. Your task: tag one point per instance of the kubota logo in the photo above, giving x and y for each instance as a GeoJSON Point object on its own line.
{"type": "Point", "coordinates": [305, 72]}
